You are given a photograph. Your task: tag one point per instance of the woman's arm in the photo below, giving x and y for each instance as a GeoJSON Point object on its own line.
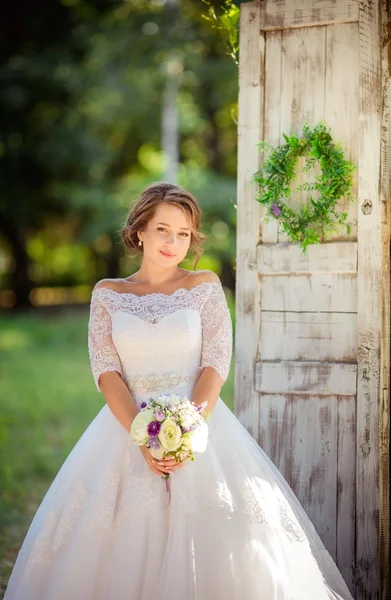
{"type": "Point", "coordinates": [123, 407]}
{"type": "Point", "coordinates": [207, 389]}
{"type": "Point", "coordinates": [118, 398]}
{"type": "Point", "coordinates": [216, 350]}
{"type": "Point", "coordinates": [105, 362]}
{"type": "Point", "coordinates": [107, 371]}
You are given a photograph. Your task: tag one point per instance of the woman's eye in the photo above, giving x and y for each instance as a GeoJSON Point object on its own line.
{"type": "Point", "coordinates": [164, 230]}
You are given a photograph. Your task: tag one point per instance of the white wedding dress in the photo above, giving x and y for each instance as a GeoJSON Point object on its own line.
{"type": "Point", "coordinates": [233, 530]}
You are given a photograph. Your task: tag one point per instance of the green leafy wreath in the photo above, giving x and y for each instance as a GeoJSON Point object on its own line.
{"type": "Point", "coordinates": [275, 176]}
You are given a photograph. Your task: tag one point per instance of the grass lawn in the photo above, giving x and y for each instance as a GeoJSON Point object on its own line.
{"type": "Point", "coordinates": [47, 399]}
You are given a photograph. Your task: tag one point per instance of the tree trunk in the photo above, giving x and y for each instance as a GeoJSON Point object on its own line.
{"type": "Point", "coordinates": [170, 129]}
{"type": "Point", "coordinates": [170, 117]}
{"type": "Point", "coordinates": [113, 261]}
{"type": "Point", "coordinates": [227, 275]}
{"type": "Point", "coordinates": [212, 139]}
{"type": "Point", "coordinates": [20, 281]}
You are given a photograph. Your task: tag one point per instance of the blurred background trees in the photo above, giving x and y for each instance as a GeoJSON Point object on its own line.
{"type": "Point", "coordinates": [84, 87]}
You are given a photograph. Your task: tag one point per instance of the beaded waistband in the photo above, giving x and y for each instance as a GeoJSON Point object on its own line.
{"type": "Point", "coordinates": [155, 383]}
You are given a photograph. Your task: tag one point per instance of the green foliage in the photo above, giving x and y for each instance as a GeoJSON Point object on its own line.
{"type": "Point", "coordinates": [275, 176]}
{"type": "Point", "coordinates": [227, 24]}
{"type": "Point", "coordinates": [80, 121]}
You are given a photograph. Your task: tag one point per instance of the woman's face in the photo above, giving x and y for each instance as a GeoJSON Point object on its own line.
{"type": "Point", "coordinates": [167, 236]}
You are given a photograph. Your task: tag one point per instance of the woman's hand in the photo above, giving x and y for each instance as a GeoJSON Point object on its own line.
{"type": "Point", "coordinates": [172, 464]}
{"type": "Point", "coordinates": [157, 466]}
{"type": "Point", "coordinates": [160, 466]}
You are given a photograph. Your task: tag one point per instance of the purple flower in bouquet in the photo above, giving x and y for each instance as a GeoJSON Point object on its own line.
{"type": "Point", "coordinates": [188, 429]}
{"type": "Point", "coordinates": [154, 442]}
{"type": "Point", "coordinates": [153, 428]}
{"type": "Point", "coordinates": [159, 415]}
{"type": "Point", "coordinates": [276, 210]}
{"type": "Point", "coordinates": [143, 405]}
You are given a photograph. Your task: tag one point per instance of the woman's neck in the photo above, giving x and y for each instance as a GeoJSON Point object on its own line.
{"type": "Point", "coordinates": [155, 278]}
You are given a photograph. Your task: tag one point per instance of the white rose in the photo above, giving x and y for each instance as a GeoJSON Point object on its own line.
{"type": "Point", "coordinates": [170, 435]}
{"type": "Point", "coordinates": [139, 426]}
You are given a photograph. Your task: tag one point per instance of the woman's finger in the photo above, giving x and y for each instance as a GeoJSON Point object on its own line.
{"type": "Point", "coordinates": [171, 461]}
{"type": "Point", "coordinates": [178, 465]}
{"type": "Point", "coordinates": [153, 468]}
{"type": "Point", "coordinates": [156, 472]}
{"type": "Point", "coordinates": [162, 469]}
{"type": "Point", "coordinates": [168, 463]}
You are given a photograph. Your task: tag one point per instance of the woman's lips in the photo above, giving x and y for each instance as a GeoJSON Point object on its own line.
{"type": "Point", "coordinates": [166, 254]}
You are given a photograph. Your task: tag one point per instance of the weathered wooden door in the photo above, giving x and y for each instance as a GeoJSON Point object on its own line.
{"type": "Point", "coordinates": [312, 351]}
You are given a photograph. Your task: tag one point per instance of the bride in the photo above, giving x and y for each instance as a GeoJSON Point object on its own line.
{"type": "Point", "coordinates": [105, 530]}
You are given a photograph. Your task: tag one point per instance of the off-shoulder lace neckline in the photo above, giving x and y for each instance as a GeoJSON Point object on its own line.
{"type": "Point", "coordinates": [179, 291]}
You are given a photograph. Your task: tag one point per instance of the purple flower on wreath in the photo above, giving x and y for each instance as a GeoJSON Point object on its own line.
{"type": "Point", "coordinates": [154, 442]}
{"type": "Point", "coordinates": [276, 210]}
{"type": "Point", "coordinates": [143, 405]}
{"type": "Point", "coordinates": [159, 415]}
{"type": "Point", "coordinates": [153, 428]}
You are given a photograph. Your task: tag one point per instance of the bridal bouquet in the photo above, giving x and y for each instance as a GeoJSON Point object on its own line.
{"type": "Point", "coordinates": [171, 426]}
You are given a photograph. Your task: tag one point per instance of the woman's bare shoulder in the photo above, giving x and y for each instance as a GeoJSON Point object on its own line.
{"type": "Point", "coordinates": [116, 285]}
{"type": "Point", "coordinates": [193, 279]}
{"type": "Point", "coordinates": [198, 277]}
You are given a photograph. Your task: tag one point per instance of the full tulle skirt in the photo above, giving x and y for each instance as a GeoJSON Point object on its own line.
{"type": "Point", "coordinates": [233, 528]}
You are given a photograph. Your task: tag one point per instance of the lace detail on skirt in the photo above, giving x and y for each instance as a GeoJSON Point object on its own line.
{"type": "Point", "coordinates": [289, 522]}
{"type": "Point", "coordinates": [114, 511]}
{"type": "Point", "coordinates": [87, 512]}
{"type": "Point", "coordinates": [254, 502]}
{"type": "Point", "coordinates": [278, 512]}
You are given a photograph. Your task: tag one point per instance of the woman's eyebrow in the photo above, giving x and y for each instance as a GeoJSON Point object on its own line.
{"type": "Point", "coordinates": [167, 225]}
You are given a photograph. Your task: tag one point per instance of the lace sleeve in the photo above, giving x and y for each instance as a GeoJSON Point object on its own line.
{"type": "Point", "coordinates": [101, 349]}
{"type": "Point", "coordinates": [216, 332]}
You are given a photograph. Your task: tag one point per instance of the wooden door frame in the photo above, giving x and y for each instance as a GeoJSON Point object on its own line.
{"type": "Point", "coordinates": [373, 356]}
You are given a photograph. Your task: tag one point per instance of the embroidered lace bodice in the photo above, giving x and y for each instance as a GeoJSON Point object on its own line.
{"type": "Point", "coordinates": [157, 342]}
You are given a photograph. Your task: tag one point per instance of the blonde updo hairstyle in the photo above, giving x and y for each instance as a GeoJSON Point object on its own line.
{"type": "Point", "coordinates": [144, 209]}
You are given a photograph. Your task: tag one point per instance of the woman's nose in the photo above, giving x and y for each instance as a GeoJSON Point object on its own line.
{"type": "Point", "coordinates": [171, 238]}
